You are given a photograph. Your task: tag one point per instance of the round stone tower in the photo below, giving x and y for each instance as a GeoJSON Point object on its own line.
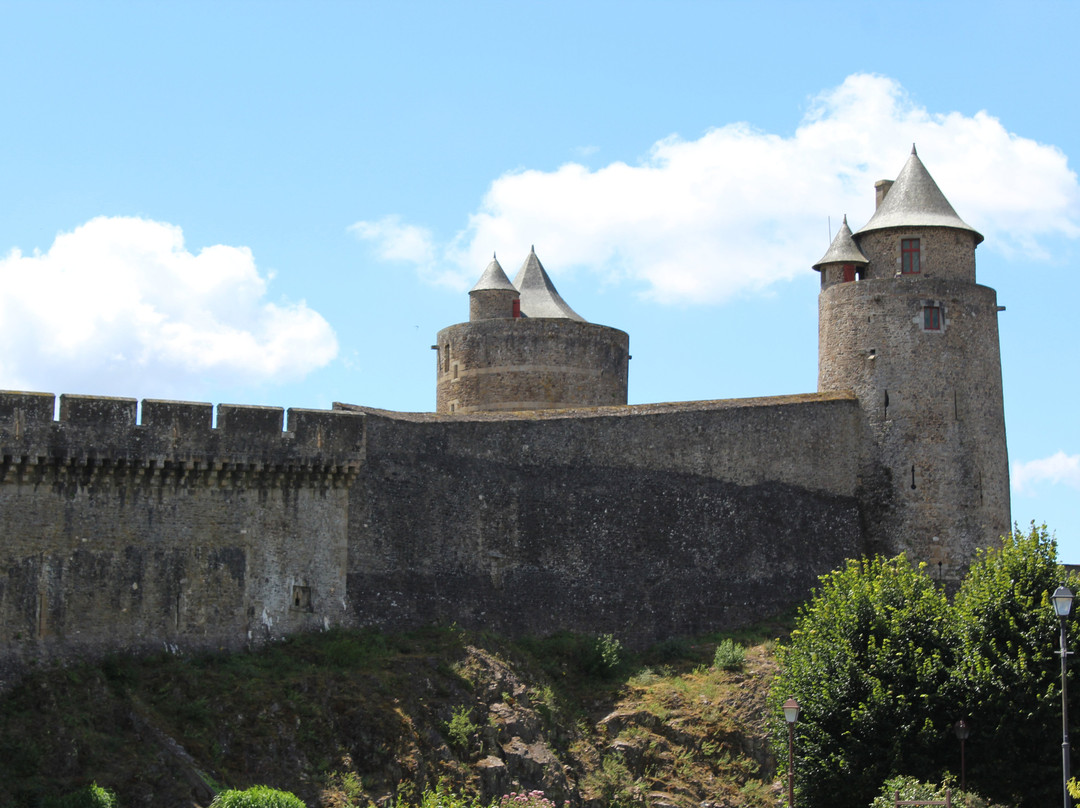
{"type": "Point", "coordinates": [903, 323]}
{"type": "Point", "coordinates": [524, 348]}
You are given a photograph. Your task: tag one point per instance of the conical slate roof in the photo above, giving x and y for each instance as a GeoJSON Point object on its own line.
{"type": "Point", "coordinates": [915, 200]}
{"type": "Point", "coordinates": [538, 295]}
{"type": "Point", "coordinates": [493, 278]}
{"type": "Point", "coordinates": [843, 249]}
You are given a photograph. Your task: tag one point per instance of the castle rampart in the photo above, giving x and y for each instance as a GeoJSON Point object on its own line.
{"type": "Point", "coordinates": [646, 521]}
{"type": "Point", "coordinates": [169, 533]}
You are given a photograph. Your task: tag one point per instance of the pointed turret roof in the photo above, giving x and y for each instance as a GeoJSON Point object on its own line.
{"type": "Point", "coordinates": [493, 278]}
{"type": "Point", "coordinates": [843, 249]}
{"type": "Point", "coordinates": [915, 200]}
{"type": "Point", "coordinates": [538, 295]}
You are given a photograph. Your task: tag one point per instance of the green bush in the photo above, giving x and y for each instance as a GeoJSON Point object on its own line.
{"type": "Point", "coordinates": [609, 655]}
{"type": "Point", "coordinates": [911, 789]}
{"type": "Point", "coordinates": [91, 796]}
{"type": "Point", "coordinates": [460, 728]}
{"type": "Point", "coordinates": [257, 797]}
{"type": "Point", "coordinates": [439, 797]}
{"type": "Point", "coordinates": [729, 656]}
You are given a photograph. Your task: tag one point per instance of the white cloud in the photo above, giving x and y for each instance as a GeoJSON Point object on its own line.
{"type": "Point", "coordinates": [1057, 469]}
{"type": "Point", "coordinates": [119, 305]}
{"type": "Point", "coordinates": [739, 209]}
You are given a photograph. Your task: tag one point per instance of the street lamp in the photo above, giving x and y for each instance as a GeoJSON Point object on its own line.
{"type": "Point", "coordinates": [791, 715]}
{"type": "Point", "coordinates": [1063, 598]}
{"type": "Point", "coordinates": [962, 731]}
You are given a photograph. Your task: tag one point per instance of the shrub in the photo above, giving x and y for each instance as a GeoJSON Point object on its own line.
{"type": "Point", "coordinates": [257, 797]}
{"type": "Point", "coordinates": [441, 797]}
{"type": "Point", "coordinates": [615, 786]}
{"type": "Point", "coordinates": [525, 799]}
{"type": "Point", "coordinates": [609, 651]}
{"type": "Point", "coordinates": [91, 796]}
{"type": "Point", "coordinates": [911, 789]}
{"type": "Point", "coordinates": [460, 728]}
{"type": "Point", "coordinates": [729, 656]}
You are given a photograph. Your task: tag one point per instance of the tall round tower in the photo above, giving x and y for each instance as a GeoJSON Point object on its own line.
{"type": "Point", "coordinates": [524, 348]}
{"type": "Point", "coordinates": [911, 332]}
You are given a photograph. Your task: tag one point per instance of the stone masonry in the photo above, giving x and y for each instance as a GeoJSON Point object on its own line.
{"type": "Point", "coordinates": [535, 499]}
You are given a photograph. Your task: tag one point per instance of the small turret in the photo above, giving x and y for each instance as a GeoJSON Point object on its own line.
{"type": "Point", "coordinates": [493, 297]}
{"type": "Point", "coordinates": [843, 262]}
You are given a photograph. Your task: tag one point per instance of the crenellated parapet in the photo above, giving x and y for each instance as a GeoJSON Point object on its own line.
{"type": "Point", "coordinates": [99, 441]}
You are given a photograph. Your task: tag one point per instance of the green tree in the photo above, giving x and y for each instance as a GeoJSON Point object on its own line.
{"type": "Point", "coordinates": [1008, 673]}
{"type": "Point", "coordinates": [868, 662]}
{"type": "Point", "coordinates": [883, 665]}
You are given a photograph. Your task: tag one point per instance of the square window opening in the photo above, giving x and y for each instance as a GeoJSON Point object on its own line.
{"type": "Point", "coordinates": [301, 598]}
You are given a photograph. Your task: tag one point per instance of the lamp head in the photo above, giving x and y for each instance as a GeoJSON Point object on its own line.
{"type": "Point", "coordinates": [1062, 600]}
{"type": "Point", "coordinates": [791, 711]}
{"type": "Point", "coordinates": [962, 729]}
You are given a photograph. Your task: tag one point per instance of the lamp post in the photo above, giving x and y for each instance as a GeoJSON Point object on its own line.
{"type": "Point", "coordinates": [791, 715]}
{"type": "Point", "coordinates": [962, 731]}
{"type": "Point", "coordinates": [1063, 599]}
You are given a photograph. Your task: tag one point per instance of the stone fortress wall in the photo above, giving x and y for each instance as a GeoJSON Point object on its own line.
{"type": "Point", "coordinates": [119, 535]}
{"type": "Point", "coordinates": [127, 530]}
{"type": "Point", "coordinates": [646, 521]}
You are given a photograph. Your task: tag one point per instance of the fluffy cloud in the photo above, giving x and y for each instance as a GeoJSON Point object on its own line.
{"type": "Point", "coordinates": [1058, 468]}
{"type": "Point", "coordinates": [119, 305]}
{"type": "Point", "coordinates": [739, 209]}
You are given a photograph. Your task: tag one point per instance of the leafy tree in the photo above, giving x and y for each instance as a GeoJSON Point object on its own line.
{"type": "Point", "coordinates": [883, 665]}
{"type": "Point", "coordinates": [868, 663]}
{"type": "Point", "coordinates": [1008, 673]}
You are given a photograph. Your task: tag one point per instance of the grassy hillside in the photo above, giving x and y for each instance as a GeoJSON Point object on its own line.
{"type": "Point", "coordinates": [353, 718]}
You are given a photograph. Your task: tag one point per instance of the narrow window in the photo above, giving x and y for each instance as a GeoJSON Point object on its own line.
{"type": "Point", "coordinates": [516, 309]}
{"type": "Point", "coordinates": [931, 318]}
{"type": "Point", "coordinates": [849, 273]}
{"type": "Point", "coordinates": [909, 256]}
{"type": "Point", "coordinates": [446, 358]}
{"type": "Point", "coordinates": [301, 598]}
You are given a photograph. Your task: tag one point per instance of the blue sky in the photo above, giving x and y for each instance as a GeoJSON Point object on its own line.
{"type": "Point", "coordinates": [281, 203]}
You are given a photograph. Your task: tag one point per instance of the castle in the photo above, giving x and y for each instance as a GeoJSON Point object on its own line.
{"type": "Point", "coordinates": [535, 499]}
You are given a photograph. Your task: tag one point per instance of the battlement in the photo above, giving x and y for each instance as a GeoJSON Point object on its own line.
{"type": "Point", "coordinates": [176, 440]}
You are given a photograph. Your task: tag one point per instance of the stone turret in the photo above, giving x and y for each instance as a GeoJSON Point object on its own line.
{"type": "Point", "coordinates": [843, 262]}
{"type": "Point", "coordinates": [916, 338]}
{"type": "Point", "coordinates": [493, 297]}
{"type": "Point", "coordinates": [524, 348]}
